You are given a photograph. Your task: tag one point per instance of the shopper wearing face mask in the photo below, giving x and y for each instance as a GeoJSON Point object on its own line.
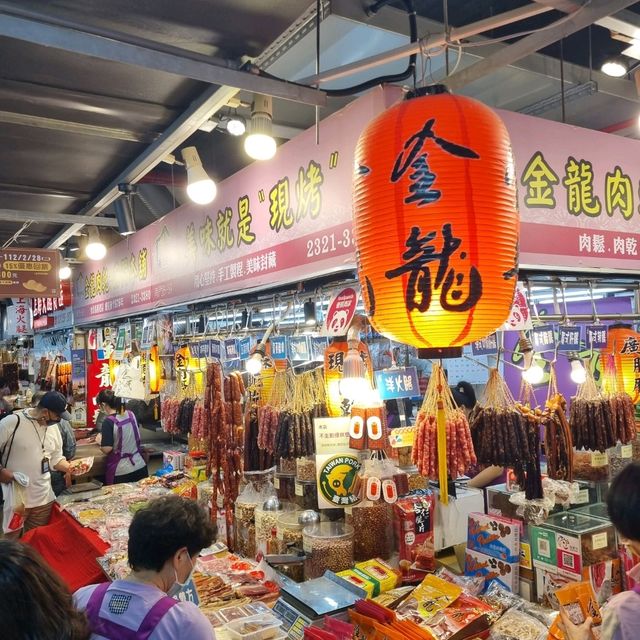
{"type": "Point", "coordinates": [165, 539]}
{"type": "Point", "coordinates": [30, 447]}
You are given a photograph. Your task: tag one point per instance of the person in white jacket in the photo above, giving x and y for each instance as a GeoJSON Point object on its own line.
{"type": "Point", "coordinates": [31, 445]}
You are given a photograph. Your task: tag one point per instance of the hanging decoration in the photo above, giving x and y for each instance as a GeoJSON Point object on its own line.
{"type": "Point", "coordinates": [436, 220]}
{"type": "Point", "coordinates": [624, 347]}
{"type": "Point", "coordinates": [154, 369]}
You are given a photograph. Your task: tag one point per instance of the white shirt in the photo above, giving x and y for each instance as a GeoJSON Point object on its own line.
{"type": "Point", "coordinates": [27, 454]}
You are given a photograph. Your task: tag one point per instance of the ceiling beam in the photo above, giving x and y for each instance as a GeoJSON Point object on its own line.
{"type": "Point", "coordinates": [187, 65]}
{"type": "Point", "coordinates": [32, 190]}
{"type": "Point", "coordinates": [567, 25]}
{"type": "Point", "coordinates": [18, 216]}
{"type": "Point", "coordinates": [212, 100]}
{"type": "Point", "coordinates": [79, 128]}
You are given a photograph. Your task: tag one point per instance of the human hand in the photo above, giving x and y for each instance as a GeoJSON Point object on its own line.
{"type": "Point", "coordinates": [575, 631]}
{"type": "Point", "coordinates": [6, 476]}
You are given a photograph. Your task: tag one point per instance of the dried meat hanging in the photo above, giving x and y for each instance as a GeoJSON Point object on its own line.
{"type": "Point", "coordinates": [622, 408]}
{"type": "Point", "coordinates": [594, 425]}
{"type": "Point", "coordinates": [558, 442]}
{"type": "Point", "coordinates": [442, 444]}
{"type": "Point", "coordinates": [502, 435]}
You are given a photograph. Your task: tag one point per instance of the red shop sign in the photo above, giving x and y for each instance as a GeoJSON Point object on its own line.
{"type": "Point", "coordinates": [98, 378]}
{"type": "Point", "coordinates": [342, 308]}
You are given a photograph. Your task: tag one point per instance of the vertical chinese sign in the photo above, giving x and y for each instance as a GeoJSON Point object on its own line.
{"type": "Point", "coordinates": [79, 386]}
{"type": "Point", "coordinates": [98, 378]}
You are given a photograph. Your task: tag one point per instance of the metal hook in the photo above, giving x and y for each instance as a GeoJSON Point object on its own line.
{"type": "Point", "coordinates": [596, 319]}
{"type": "Point", "coordinates": [532, 301]}
{"type": "Point", "coordinates": [566, 319]}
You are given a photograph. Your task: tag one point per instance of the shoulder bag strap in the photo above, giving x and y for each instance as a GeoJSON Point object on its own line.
{"type": "Point", "coordinates": [155, 615]}
{"type": "Point", "coordinates": [13, 436]}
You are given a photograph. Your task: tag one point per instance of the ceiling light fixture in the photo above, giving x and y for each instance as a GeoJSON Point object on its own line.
{"type": "Point", "coordinates": [614, 67]}
{"type": "Point", "coordinates": [260, 144]}
{"type": "Point", "coordinates": [95, 249]}
{"type": "Point", "coordinates": [65, 270]}
{"type": "Point", "coordinates": [310, 313]}
{"type": "Point", "coordinates": [236, 125]}
{"type": "Point", "coordinates": [124, 211]}
{"type": "Point", "coordinates": [200, 187]}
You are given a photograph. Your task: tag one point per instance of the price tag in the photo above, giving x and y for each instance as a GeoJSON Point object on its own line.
{"type": "Point", "coordinates": [299, 490]}
{"type": "Point", "coordinates": [583, 497]}
{"type": "Point", "coordinates": [276, 483]}
{"type": "Point", "coordinates": [599, 540]}
{"type": "Point", "coordinates": [599, 459]}
{"type": "Point", "coordinates": [626, 451]}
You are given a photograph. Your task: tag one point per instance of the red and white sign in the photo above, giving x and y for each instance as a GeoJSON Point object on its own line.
{"type": "Point", "coordinates": [44, 306]}
{"type": "Point", "coordinates": [98, 378]}
{"type": "Point", "coordinates": [340, 313]}
{"type": "Point", "coordinates": [520, 317]}
{"type": "Point", "coordinates": [18, 318]}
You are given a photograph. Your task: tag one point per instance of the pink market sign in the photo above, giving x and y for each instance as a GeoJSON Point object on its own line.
{"type": "Point", "coordinates": [290, 219]}
{"type": "Point", "coordinates": [578, 195]}
{"type": "Point", "coordinates": [271, 223]}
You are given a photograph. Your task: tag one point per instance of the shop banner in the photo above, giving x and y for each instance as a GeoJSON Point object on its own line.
{"type": "Point", "coordinates": [569, 337]}
{"type": "Point", "coordinates": [299, 348]}
{"type": "Point", "coordinates": [486, 347]}
{"type": "Point", "coordinates": [44, 306]}
{"type": "Point", "coordinates": [597, 336]}
{"type": "Point", "coordinates": [29, 273]}
{"type": "Point", "coordinates": [290, 219]}
{"type": "Point", "coordinates": [271, 223]}
{"type": "Point", "coordinates": [393, 384]}
{"type": "Point", "coordinates": [578, 195]}
{"type": "Point", "coordinates": [544, 338]}
{"type": "Point", "coordinates": [98, 378]}
{"type": "Point", "coordinates": [279, 348]}
{"type": "Point", "coordinates": [79, 385]}
{"type": "Point", "coordinates": [18, 322]}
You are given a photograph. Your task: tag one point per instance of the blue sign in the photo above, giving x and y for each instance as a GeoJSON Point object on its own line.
{"type": "Point", "coordinates": [397, 383]}
{"type": "Point", "coordinates": [597, 336]}
{"type": "Point", "coordinates": [230, 349]}
{"type": "Point", "coordinates": [543, 338]}
{"type": "Point", "coordinates": [194, 349]}
{"type": "Point", "coordinates": [205, 349]}
{"type": "Point", "coordinates": [486, 347]}
{"type": "Point", "coordinates": [215, 349]}
{"type": "Point", "coordinates": [244, 348]}
{"type": "Point", "coordinates": [189, 593]}
{"type": "Point", "coordinates": [569, 337]}
{"type": "Point", "coordinates": [279, 348]}
{"type": "Point", "coordinates": [318, 347]}
{"type": "Point", "coordinates": [299, 348]}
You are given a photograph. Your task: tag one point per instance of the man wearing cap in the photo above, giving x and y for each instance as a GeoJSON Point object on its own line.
{"type": "Point", "coordinates": [31, 445]}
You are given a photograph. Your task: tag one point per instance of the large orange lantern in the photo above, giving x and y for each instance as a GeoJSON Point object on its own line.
{"type": "Point", "coordinates": [436, 220]}
{"type": "Point", "coordinates": [334, 355]}
{"type": "Point", "coordinates": [623, 346]}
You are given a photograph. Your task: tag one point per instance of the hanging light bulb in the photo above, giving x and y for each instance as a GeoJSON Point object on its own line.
{"type": "Point", "coordinates": [200, 187]}
{"type": "Point", "coordinates": [578, 372]}
{"type": "Point", "coordinates": [65, 270]}
{"type": "Point", "coordinates": [354, 384]}
{"type": "Point", "coordinates": [253, 365]}
{"type": "Point", "coordinates": [534, 374]}
{"type": "Point", "coordinates": [95, 249]}
{"type": "Point", "coordinates": [260, 144]}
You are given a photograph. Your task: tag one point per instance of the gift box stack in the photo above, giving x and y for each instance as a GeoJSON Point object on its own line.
{"type": "Point", "coordinates": [493, 550]}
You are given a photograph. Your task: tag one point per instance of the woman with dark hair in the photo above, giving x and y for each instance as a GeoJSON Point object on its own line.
{"type": "Point", "coordinates": [120, 441]}
{"type": "Point", "coordinates": [165, 539]}
{"type": "Point", "coordinates": [35, 603]}
{"type": "Point", "coordinates": [465, 398]}
{"type": "Point", "coordinates": [621, 615]}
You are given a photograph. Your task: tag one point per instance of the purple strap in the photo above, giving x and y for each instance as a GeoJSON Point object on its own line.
{"type": "Point", "coordinates": [115, 631]}
{"type": "Point", "coordinates": [116, 455]}
{"type": "Point", "coordinates": [636, 587]}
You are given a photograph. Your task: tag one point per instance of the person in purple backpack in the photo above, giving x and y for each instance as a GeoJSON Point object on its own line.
{"type": "Point", "coordinates": [621, 614]}
{"type": "Point", "coordinates": [120, 441]}
{"type": "Point", "coordinates": [165, 539]}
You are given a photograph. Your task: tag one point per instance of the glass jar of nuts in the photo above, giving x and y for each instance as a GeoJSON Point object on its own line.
{"type": "Point", "coordinates": [328, 545]}
{"type": "Point", "coordinates": [373, 526]}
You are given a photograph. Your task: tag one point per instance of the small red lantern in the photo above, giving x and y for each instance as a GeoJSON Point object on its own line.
{"type": "Point", "coordinates": [436, 220]}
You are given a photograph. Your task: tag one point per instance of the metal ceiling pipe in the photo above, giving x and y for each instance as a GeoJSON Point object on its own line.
{"type": "Point", "coordinates": [432, 41]}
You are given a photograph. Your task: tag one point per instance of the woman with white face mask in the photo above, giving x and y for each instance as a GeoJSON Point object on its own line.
{"type": "Point", "coordinates": [165, 540]}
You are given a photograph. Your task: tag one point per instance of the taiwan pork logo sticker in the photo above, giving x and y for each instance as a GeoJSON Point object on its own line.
{"type": "Point", "coordinates": [338, 480]}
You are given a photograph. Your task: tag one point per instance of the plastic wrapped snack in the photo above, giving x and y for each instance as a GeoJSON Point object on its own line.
{"type": "Point", "coordinates": [516, 625]}
{"type": "Point", "coordinates": [473, 585]}
{"type": "Point", "coordinates": [501, 599]}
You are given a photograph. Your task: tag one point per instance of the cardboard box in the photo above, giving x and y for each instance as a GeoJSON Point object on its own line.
{"type": "Point", "coordinates": [451, 519]}
{"type": "Point", "coordinates": [494, 536]}
{"type": "Point", "coordinates": [380, 572]}
{"type": "Point", "coordinates": [361, 581]}
{"type": "Point", "coordinates": [480, 564]}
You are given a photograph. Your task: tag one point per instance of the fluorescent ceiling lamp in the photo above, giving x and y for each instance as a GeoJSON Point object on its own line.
{"type": "Point", "coordinates": [614, 68]}
{"type": "Point", "coordinates": [95, 249]}
{"type": "Point", "coordinates": [200, 187]}
{"type": "Point", "coordinates": [260, 144]}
